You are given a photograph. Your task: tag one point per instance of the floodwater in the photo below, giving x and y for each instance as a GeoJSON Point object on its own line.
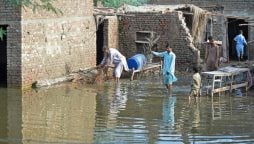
{"type": "Point", "coordinates": [128, 113]}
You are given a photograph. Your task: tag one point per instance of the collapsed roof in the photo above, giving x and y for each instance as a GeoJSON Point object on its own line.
{"type": "Point", "coordinates": [155, 8]}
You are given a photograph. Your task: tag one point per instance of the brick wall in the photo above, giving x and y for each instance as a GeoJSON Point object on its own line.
{"type": "Point", "coordinates": [170, 26]}
{"type": "Point", "coordinates": [11, 17]}
{"type": "Point", "coordinates": [69, 8]}
{"type": "Point", "coordinates": [43, 45]}
{"type": "Point", "coordinates": [111, 31]}
{"type": "Point", "coordinates": [228, 4]}
{"type": "Point", "coordinates": [251, 45]}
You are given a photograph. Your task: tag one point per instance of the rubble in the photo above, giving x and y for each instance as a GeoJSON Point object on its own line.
{"type": "Point", "coordinates": [88, 76]}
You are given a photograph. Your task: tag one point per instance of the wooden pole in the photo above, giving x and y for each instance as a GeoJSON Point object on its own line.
{"type": "Point", "coordinates": [246, 24]}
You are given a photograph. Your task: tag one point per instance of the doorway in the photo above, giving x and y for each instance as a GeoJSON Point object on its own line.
{"type": "Point", "coordinates": [99, 43]}
{"type": "Point", "coordinates": [233, 30]}
{"type": "Point", "coordinates": [3, 58]}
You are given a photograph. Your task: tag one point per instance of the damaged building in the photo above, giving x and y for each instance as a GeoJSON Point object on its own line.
{"type": "Point", "coordinates": [237, 14]}
{"type": "Point", "coordinates": [43, 45]}
{"type": "Point", "coordinates": [185, 27]}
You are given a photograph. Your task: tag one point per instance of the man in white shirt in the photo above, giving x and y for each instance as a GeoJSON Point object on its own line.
{"type": "Point", "coordinates": [113, 58]}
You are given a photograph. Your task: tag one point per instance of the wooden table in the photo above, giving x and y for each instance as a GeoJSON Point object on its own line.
{"type": "Point", "coordinates": [224, 78]}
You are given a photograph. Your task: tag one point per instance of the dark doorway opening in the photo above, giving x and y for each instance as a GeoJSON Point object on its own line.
{"type": "Point", "coordinates": [188, 20]}
{"type": "Point", "coordinates": [3, 58]}
{"type": "Point", "coordinates": [233, 30]}
{"type": "Point", "coordinates": [99, 43]}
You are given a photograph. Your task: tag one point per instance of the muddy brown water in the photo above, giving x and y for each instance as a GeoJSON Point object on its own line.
{"type": "Point", "coordinates": [140, 111]}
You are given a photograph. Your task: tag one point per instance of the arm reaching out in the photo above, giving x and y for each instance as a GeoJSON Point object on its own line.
{"type": "Point", "coordinates": [159, 54]}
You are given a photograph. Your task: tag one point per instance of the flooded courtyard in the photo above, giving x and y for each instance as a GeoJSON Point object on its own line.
{"type": "Point", "coordinates": [130, 112]}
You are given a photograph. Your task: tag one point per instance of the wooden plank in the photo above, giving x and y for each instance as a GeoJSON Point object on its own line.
{"type": "Point", "coordinates": [235, 86]}
{"type": "Point", "coordinates": [157, 66]}
{"type": "Point", "coordinates": [148, 32]}
{"type": "Point", "coordinates": [221, 89]}
{"type": "Point", "coordinates": [238, 17]}
{"type": "Point", "coordinates": [146, 68]}
{"type": "Point", "coordinates": [142, 42]}
{"type": "Point", "coordinates": [226, 88]}
{"type": "Point", "coordinates": [217, 73]}
{"type": "Point", "coordinates": [246, 24]}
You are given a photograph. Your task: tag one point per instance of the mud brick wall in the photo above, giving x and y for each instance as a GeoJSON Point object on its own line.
{"type": "Point", "coordinates": [111, 32]}
{"type": "Point", "coordinates": [170, 26]}
{"type": "Point", "coordinates": [230, 5]}
{"type": "Point", "coordinates": [11, 16]}
{"type": "Point", "coordinates": [55, 45]}
{"type": "Point", "coordinates": [43, 45]}
{"type": "Point", "coordinates": [251, 45]}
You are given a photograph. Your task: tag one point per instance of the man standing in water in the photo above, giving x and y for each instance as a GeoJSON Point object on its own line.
{"type": "Point", "coordinates": [168, 70]}
{"type": "Point", "coordinates": [240, 42]}
{"type": "Point", "coordinates": [195, 84]}
{"type": "Point", "coordinates": [212, 55]}
{"type": "Point", "coordinates": [113, 58]}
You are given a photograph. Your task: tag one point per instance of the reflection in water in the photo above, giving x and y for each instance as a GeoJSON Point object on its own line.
{"type": "Point", "coordinates": [196, 113]}
{"type": "Point", "coordinates": [56, 115]}
{"type": "Point", "coordinates": [14, 115]}
{"type": "Point", "coordinates": [59, 115]}
{"type": "Point", "coordinates": [118, 102]}
{"type": "Point", "coordinates": [11, 118]}
{"type": "Point", "coordinates": [131, 116]}
{"type": "Point", "coordinates": [168, 111]}
{"type": "Point", "coordinates": [216, 108]}
{"type": "Point", "coordinates": [125, 113]}
{"type": "Point", "coordinates": [3, 114]}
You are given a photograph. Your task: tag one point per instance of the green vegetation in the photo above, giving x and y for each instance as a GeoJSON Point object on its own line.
{"type": "Point", "coordinates": [2, 33]}
{"type": "Point", "coordinates": [35, 4]}
{"type": "Point", "coordinates": [118, 3]}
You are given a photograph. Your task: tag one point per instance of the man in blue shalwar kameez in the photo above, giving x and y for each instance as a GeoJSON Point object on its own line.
{"type": "Point", "coordinates": [168, 70]}
{"type": "Point", "coordinates": [240, 42]}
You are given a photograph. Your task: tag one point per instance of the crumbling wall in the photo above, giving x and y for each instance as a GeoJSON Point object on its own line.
{"type": "Point", "coordinates": [236, 8]}
{"type": "Point", "coordinates": [54, 45]}
{"type": "Point", "coordinates": [170, 26]}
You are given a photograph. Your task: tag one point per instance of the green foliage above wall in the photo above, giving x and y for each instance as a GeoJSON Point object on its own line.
{"type": "Point", "coordinates": [35, 4]}
{"type": "Point", "coordinates": [118, 3]}
{"type": "Point", "coordinates": [2, 33]}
